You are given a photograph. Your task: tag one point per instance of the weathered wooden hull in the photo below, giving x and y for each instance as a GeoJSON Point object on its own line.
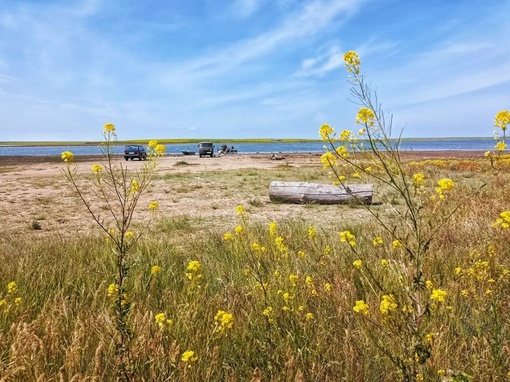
{"type": "Point", "coordinates": [304, 192]}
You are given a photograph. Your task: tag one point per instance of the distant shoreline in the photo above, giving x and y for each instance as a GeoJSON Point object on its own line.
{"type": "Point", "coordinates": [215, 141]}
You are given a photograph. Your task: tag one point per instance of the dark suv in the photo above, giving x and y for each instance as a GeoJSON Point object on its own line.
{"type": "Point", "coordinates": [205, 148]}
{"type": "Point", "coordinates": [134, 151]}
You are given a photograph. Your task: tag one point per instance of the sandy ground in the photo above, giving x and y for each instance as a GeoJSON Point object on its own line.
{"type": "Point", "coordinates": [33, 189]}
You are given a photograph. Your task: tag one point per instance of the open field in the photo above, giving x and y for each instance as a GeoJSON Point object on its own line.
{"type": "Point", "coordinates": [283, 272]}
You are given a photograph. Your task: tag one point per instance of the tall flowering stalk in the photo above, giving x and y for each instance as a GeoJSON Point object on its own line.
{"type": "Point", "coordinates": [399, 297]}
{"type": "Point", "coordinates": [120, 190]}
{"type": "Point", "coordinates": [501, 121]}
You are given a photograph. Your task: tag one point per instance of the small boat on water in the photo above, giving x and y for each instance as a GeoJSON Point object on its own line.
{"type": "Point", "coordinates": [188, 152]}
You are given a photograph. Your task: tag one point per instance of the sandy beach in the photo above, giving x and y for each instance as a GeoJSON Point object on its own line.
{"type": "Point", "coordinates": [33, 188]}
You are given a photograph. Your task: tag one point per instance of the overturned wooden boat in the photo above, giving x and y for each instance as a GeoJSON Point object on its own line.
{"type": "Point", "coordinates": [188, 152]}
{"type": "Point", "coordinates": [304, 192]}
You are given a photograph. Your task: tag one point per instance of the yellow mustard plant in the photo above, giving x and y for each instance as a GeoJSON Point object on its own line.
{"type": "Point", "coordinates": [162, 321]}
{"type": "Point", "coordinates": [155, 270]}
{"type": "Point", "coordinates": [67, 156]}
{"type": "Point", "coordinates": [189, 356]}
{"type": "Point", "coordinates": [503, 221]}
{"type": "Point", "coordinates": [387, 304]}
{"type": "Point", "coordinates": [361, 307]}
{"type": "Point", "coordinates": [348, 237]}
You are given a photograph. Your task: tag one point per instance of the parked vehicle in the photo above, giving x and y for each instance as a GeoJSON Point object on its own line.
{"type": "Point", "coordinates": [134, 151]}
{"type": "Point", "coordinates": [205, 148]}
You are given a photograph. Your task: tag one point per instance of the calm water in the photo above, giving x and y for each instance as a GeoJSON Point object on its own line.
{"type": "Point", "coordinates": [482, 144]}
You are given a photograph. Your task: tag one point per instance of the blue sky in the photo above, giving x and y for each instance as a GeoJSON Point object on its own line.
{"type": "Point", "coordinates": [248, 68]}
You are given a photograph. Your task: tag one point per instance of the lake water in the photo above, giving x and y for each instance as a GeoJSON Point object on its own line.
{"type": "Point", "coordinates": [482, 144]}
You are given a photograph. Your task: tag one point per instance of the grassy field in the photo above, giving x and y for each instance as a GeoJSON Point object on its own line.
{"type": "Point", "coordinates": [256, 300]}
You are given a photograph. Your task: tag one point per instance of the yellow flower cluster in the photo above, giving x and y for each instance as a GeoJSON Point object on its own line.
{"type": "Point", "coordinates": [361, 307]}
{"type": "Point", "coordinates": [155, 270]}
{"type": "Point", "coordinates": [113, 290]}
{"type": "Point", "coordinates": [444, 185]}
{"type": "Point", "coordinates": [189, 356]}
{"type": "Point", "coordinates": [273, 229]}
{"type": "Point", "coordinates": [388, 304]}
{"type": "Point", "coordinates": [97, 168]}
{"type": "Point", "coordinates": [502, 119]}
{"type": "Point", "coordinates": [108, 128]}
{"type": "Point", "coordinates": [240, 210]}
{"type": "Point", "coordinates": [135, 186]}
{"type": "Point", "coordinates": [162, 321]}
{"type": "Point", "coordinates": [328, 159]}
{"type": "Point", "coordinates": [153, 206]}
{"type": "Point", "coordinates": [503, 221]}
{"type": "Point", "coordinates": [365, 116]}
{"type": "Point", "coordinates": [438, 295]}
{"type": "Point", "coordinates": [348, 237]}
{"type": "Point", "coordinates": [224, 320]}
{"type": "Point", "coordinates": [326, 131]}
{"type": "Point", "coordinates": [312, 232]}
{"type": "Point", "coordinates": [378, 241]}
{"type": "Point", "coordinates": [352, 62]}
{"type": "Point", "coordinates": [193, 270]}
{"type": "Point", "coordinates": [67, 156]}
{"type": "Point", "coordinates": [418, 180]}
{"type": "Point", "coordinates": [358, 264]}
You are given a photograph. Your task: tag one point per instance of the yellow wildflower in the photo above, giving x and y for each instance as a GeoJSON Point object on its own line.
{"type": "Point", "coordinates": [272, 229]}
{"type": "Point", "coordinates": [325, 131]}
{"type": "Point", "coordinates": [153, 206]}
{"type": "Point", "coordinates": [12, 287]}
{"type": "Point", "coordinates": [502, 119]}
{"type": "Point", "coordinates": [155, 270]}
{"type": "Point", "coordinates": [418, 180]}
{"type": "Point", "coordinates": [378, 241]}
{"type": "Point", "coordinates": [224, 319]}
{"type": "Point", "coordinates": [67, 156]}
{"type": "Point", "coordinates": [438, 295]}
{"type": "Point", "coordinates": [162, 321]}
{"type": "Point", "coordinates": [113, 290]}
{"type": "Point", "coordinates": [97, 168]}
{"type": "Point", "coordinates": [238, 230]}
{"type": "Point", "coordinates": [365, 116]}
{"type": "Point", "coordinates": [361, 307]}
{"type": "Point", "coordinates": [152, 143]}
{"type": "Point", "coordinates": [160, 149]}
{"type": "Point", "coordinates": [384, 263]}
{"type": "Point", "coordinates": [327, 287]}
{"type": "Point", "coordinates": [135, 186]}
{"type": "Point", "coordinates": [328, 159]}
{"type": "Point", "coordinates": [444, 185]}
{"type": "Point", "coordinates": [352, 62]}
{"type": "Point", "coordinates": [503, 221]}
{"type": "Point", "coordinates": [293, 279]}
{"type": "Point", "coordinates": [309, 316]}
{"type": "Point", "coordinates": [358, 264]}
{"type": "Point", "coordinates": [346, 135]}
{"type": "Point", "coordinates": [129, 234]}
{"type": "Point", "coordinates": [240, 210]}
{"type": "Point", "coordinates": [397, 244]}
{"type": "Point", "coordinates": [189, 356]}
{"type": "Point", "coordinates": [108, 128]}
{"type": "Point", "coordinates": [388, 304]}
{"type": "Point", "coordinates": [194, 266]}
{"type": "Point", "coordinates": [227, 236]}
{"type": "Point", "coordinates": [500, 146]}
{"type": "Point", "coordinates": [312, 232]}
{"type": "Point", "coordinates": [348, 237]}
{"type": "Point", "coordinates": [17, 301]}
{"type": "Point", "coordinates": [342, 152]}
